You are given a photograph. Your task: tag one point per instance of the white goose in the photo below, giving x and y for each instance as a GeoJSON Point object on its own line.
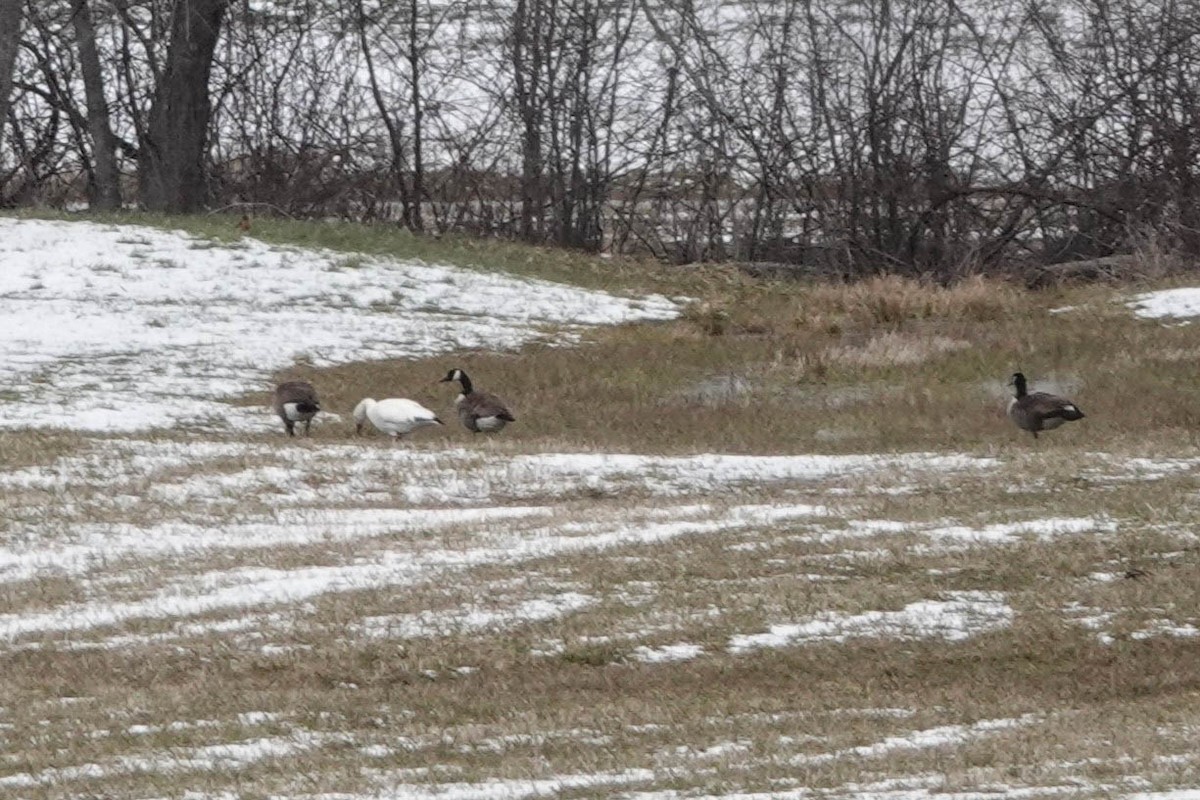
{"type": "Point", "coordinates": [394, 416]}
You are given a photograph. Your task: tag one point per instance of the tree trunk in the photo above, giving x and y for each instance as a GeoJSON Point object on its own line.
{"type": "Point", "coordinates": [416, 219]}
{"type": "Point", "coordinates": [527, 71]}
{"type": "Point", "coordinates": [11, 12]}
{"type": "Point", "coordinates": [171, 158]}
{"type": "Point", "coordinates": [395, 135]}
{"type": "Point", "coordinates": [105, 194]}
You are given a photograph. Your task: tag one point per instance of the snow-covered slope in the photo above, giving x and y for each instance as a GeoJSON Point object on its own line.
{"type": "Point", "coordinates": [122, 328]}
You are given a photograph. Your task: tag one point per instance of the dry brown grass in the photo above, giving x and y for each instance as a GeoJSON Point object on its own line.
{"type": "Point", "coordinates": [351, 700]}
{"type": "Point", "coordinates": [30, 447]}
{"type": "Point", "coordinates": [519, 715]}
{"type": "Point", "coordinates": [892, 300]}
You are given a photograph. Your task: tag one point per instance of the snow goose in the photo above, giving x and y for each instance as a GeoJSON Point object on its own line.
{"type": "Point", "coordinates": [481, 412]}
{"type": "Point", "coordinates": [1039, 411]}
{"type": "Point", "coordinates": [394, 416]}
{"type": "Point", "coordinates": [296, 401]}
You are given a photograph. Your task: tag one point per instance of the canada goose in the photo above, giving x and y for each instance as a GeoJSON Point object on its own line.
{"type": "Point", "coordinates": [395, 416]}
{"type": "Point", "coordinates": [1039, 411]}
{"type": "Point", "coordinates": [481, 412]}
{"type": "Point", "coordinates": [296, 401]}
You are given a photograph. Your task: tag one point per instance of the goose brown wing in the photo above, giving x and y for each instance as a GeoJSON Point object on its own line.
{"type": "Point", "coordinates": [1050, 406]}
{"type": "Point", "coordinates": [485, 404]}
{"type": "Point", "coordinates": [296, 391]}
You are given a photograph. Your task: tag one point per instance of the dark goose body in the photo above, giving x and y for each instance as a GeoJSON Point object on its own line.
{"type": "Point", "coordinates": [1039, 411]}
{"type": "Point", "coordinates": [479, 412]}
{"type": "Point", "coordinates": [296, 401]}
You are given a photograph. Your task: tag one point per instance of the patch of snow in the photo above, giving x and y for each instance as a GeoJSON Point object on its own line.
{"type": "Point", "coordinates": [126, 328]}
{"type": "Point", "coordinates": [451, 476]}
{"type": "Point", "coordinates": [682, 651]}
{"type": "Point", "coordinates": [495, 789]}
{"type": "Point", "coordinates": [1003, 533]}
{"type": "Point", "coordinates": [958, 616]}
{"type": "Point", "coordinates": [1141, 469]}
{"type": "Point", "coordinates": [898, 713]}
{"type": "Point", "coordinates": [102, 543]}
{"type": "Point", "coordinates": [916, 787]}
{"type": "Point", "coordinates": [685, 474]}
{"type": "Point", "coordinates": [211, 592]}
{"type": "Point", "coordinates": [376, 751]}
{"type": "Point", "coordinates": [941, 736]}
{"type": "Point", "coordinates": [1167, 303]}
{"type": "Point", "coordinates": [1163, 627]}
{"type": "Point", "coordinates": [719, 750]}
{"type": "Point", "coordinates": [1088, 616]}
{"type": "Point", "coordinates": [223, 757]}
{"type": "Point", "coordinates": [1102, 621]}
{"type": "Point", "coordinates": [434, 623]}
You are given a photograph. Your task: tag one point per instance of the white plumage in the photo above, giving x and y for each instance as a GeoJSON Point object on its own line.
{"type": "Point", "coordinates": [394, 416]}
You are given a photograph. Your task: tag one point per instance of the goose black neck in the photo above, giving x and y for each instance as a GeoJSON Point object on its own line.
{"type": "Point", "coordinates": [465, 381]}
{"type": "Point", "coordinates": [1019, 383]}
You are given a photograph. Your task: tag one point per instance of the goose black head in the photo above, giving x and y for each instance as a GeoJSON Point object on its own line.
{"type": "Point", "coordinates": [461, 377]}
{"type": "Point", "coordinates": [1018, 381]}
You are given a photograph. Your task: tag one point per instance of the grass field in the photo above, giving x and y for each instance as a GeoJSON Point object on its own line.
{"type": "Point", "coordinates": [778, 543]}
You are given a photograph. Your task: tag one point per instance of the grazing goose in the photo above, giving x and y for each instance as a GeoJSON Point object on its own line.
{"type": "Point", "coordinates": [481, 412]}
{"type": "Point", "coordinates": [1039, 411]}
{"type": "Point", "coordinates": [395, 416]}
{"type": "Point", "coordinates": [296, 401]}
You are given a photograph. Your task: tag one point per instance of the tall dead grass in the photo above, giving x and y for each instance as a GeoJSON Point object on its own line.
{"type": "Point", "coordinates": [890, 300]}
{"type": "Point", "coordinates": [890, 363]}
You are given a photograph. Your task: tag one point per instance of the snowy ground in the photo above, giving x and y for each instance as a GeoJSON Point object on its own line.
{"type": "Point", "coordinates": [510, 507]}
{"type": "Point", "coordinates": [1172, 304]}
{"type": "Point", "coordinates": [255, 547]}
{"type": "Point", "coordinates": [123, 328]}
{"type": "Point", "coordinates": [348, 620]}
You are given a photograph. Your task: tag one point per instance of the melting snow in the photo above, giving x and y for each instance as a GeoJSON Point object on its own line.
{"type": "Point", "coordinates": [124, 328]}
{"type": "Point", "coordinates": [923, 739]}
{"type": "Point", "coordinates": [223, 757]}
{"type": "Point", "coordinates": [1012, 531]}
{"type": "Point", "coordinates": [682, 651]}
{"type": "Point", "coordinates": [1171, 303]}
{"type": "Point", "coordinates": [959, 616]}
{"type": "Point", "coordinates": [117, 329]}
{"type": "Point", "coordinates": [432, 623]}
{"type": "Point", "coordinates": [1102, 621]}
{"type": "Point", "coordinates": [498, 789]}
{"type": "Point", "coordinates": [245, 588]}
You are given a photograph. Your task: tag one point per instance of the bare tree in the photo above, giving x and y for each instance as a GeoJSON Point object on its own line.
{"type": "Point", "coordinates": [106, 176]}
{"type": "Point", "coordinates": [11, 12]}
{"type": "Point", "coordinates": [171, 173]}
{"type": "Point", "coordinates": [847, 136]}
{"type": "Point", "coordinates": [415, 45]}
{"type": "Point", "coordinates": [529, 31]}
